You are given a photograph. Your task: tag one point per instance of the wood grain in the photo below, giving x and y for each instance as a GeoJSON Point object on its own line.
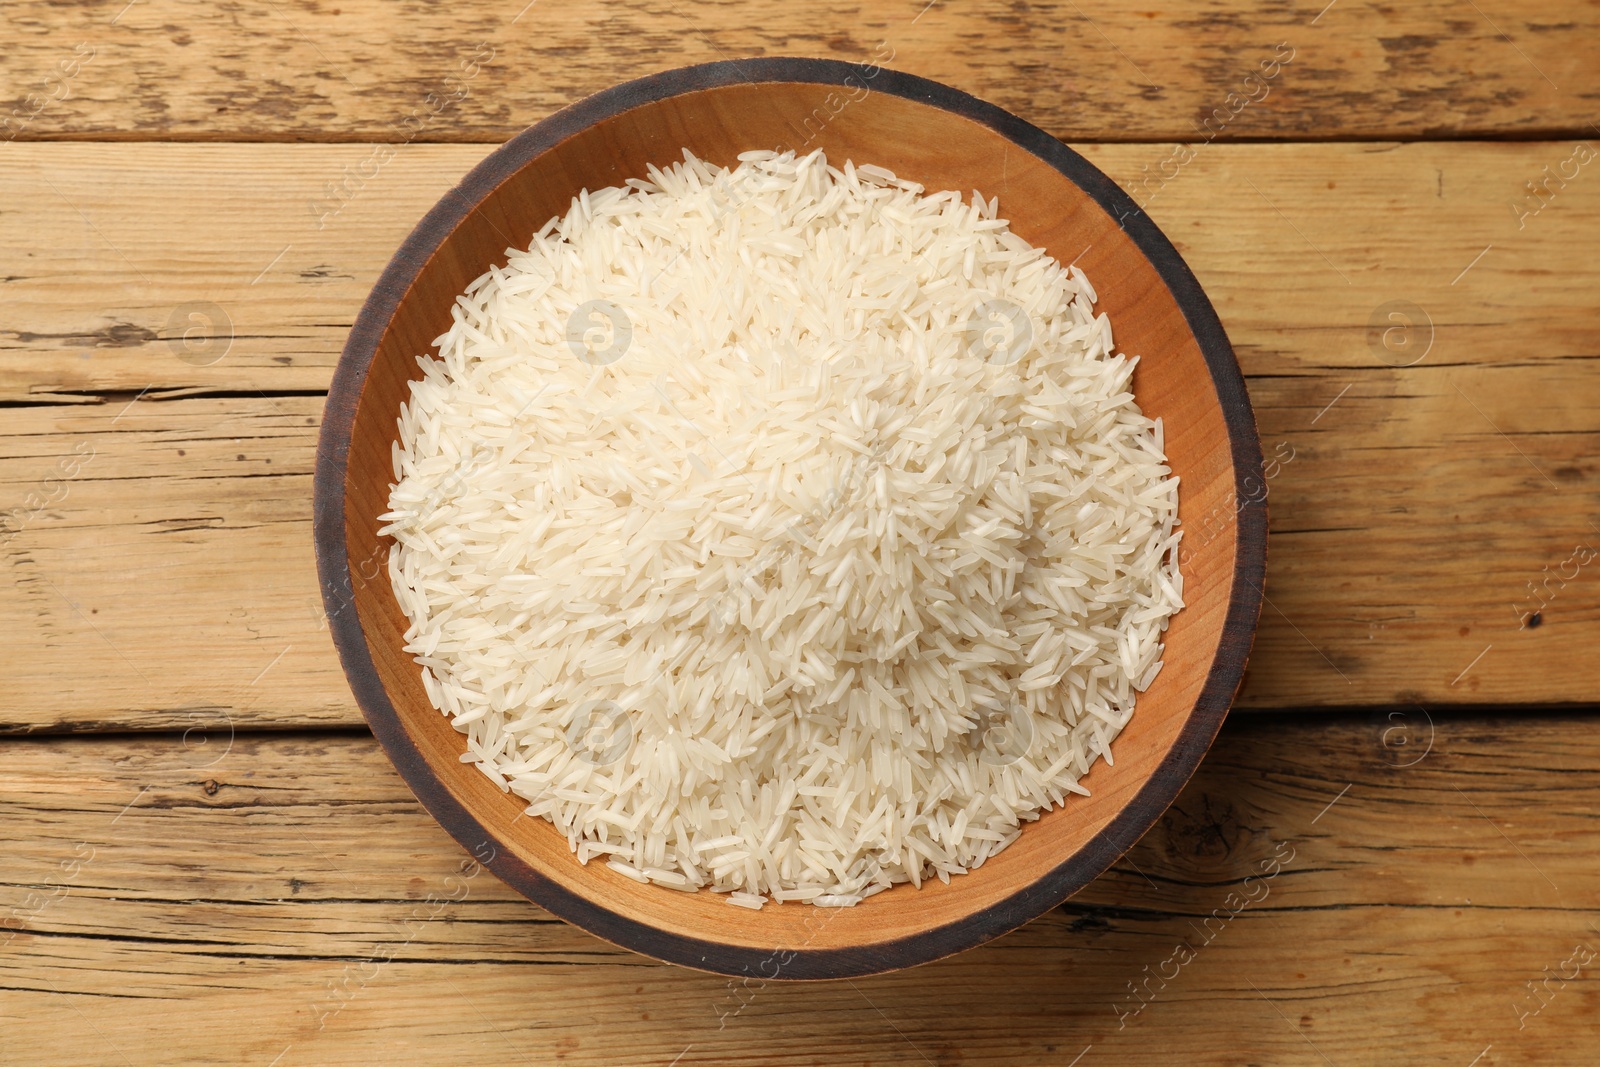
{"type": "Point", "coordinates": [1425, 511]}
{"type": "Point", "coordinates": [358, 70]}
{"type": "Point", "coordinates": [1420, 502]}
{"type": "Point", "coordinates": [1430, 871]}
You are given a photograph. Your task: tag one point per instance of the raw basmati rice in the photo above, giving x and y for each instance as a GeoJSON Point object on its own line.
{"type": "Point", "coordinates": [784, 530]}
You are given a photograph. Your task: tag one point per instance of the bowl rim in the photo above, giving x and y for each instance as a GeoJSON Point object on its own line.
{"type": "Point", "coordinates": [1030, 900]}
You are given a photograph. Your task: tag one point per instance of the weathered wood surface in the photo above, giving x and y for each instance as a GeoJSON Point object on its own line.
{"type": "Point", "coordinates": [1418, 513]}
{"type": "Point", "coordinates": [217, 902]}
{"type": "Point", "coordinates": [205, 895]}
{"type": "Point", "coordinates": [361, 70]}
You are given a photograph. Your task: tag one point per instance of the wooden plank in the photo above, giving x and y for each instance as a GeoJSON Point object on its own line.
{"type": "Point", "coordinates": [1418, 512]}
{"type": "Point", "coordinates": [116, 280]}
{"type": "Point", "coordinates": [259, 69]}
{"type": "Point", "coordinates": [1433, 897]}
{"type": "Point", "coordinates": [191, 595]}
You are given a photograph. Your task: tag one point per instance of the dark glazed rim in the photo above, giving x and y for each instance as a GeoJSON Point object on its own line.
{"type": "Point", "coordinates": [1031, 900]}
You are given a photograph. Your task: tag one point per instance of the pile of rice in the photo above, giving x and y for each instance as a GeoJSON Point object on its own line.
{"type": "Point", "coordinates": [783, 531]}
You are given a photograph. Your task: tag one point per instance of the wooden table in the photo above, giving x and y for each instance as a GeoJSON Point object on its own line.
{"type": "Point", "coordinates": [207, 860]}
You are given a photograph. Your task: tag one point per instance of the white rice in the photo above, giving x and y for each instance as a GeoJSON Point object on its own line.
{"type": "Point", "coordinates": [821, 550]}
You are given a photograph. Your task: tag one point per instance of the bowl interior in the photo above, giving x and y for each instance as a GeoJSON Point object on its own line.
{"type": "Point", "coordinates": [942, 149]}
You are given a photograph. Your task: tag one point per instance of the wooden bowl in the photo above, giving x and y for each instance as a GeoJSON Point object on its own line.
{"type": "Point", "coordinates": [945, 140]}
